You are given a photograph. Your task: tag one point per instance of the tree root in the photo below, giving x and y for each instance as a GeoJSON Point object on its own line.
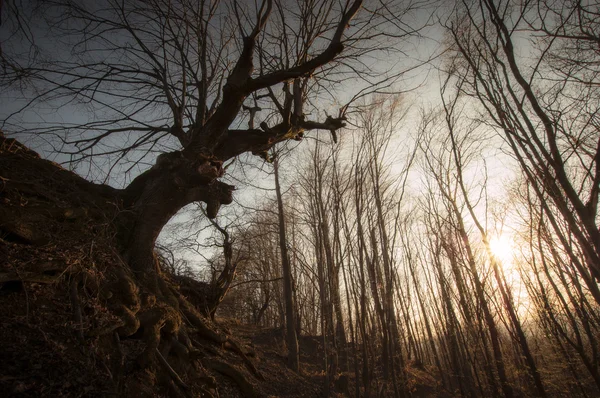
{"type": "Point", "coordinates": [236, 348]}
{"type": "Point", "coordinates": [129, 322]}
{"type": "Point", "coordinates": [156, 314]}
{"type": "Point", "coordinates": [180, 350]}
{"type": "Point", "coordinates": [176, 379]}
{"type": "Point", "coordinates": [230, 371]}
{"type": "Point", "coordinates": [155, 321]}
{"type": "Point", "coordinates": [196, 320]}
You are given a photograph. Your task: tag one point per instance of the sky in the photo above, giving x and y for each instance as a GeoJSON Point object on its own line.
{"type": "Point", "coordinates": [420, 86]}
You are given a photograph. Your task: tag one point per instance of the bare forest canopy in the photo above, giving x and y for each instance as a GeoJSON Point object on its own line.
{"type": "Point", "coordinates": [301, 198]}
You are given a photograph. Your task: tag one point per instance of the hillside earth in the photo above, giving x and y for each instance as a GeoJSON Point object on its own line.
{"type": "Point", "coordinates": [58, 263]}
{"type": "Point", "coordinates": [65, 293]}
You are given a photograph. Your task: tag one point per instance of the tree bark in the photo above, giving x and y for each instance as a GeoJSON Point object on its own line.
{"type": "Point", "coordinates": [157, 195]}
{"type": "Point", "coordinates": [290, 325]}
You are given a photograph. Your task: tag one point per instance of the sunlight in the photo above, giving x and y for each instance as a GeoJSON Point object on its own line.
{"type": "Point", "coordinates": [502, 248]}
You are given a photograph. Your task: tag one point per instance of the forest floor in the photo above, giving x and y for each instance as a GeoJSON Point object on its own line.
{"type": "Point", "coordinates": [57, 258]}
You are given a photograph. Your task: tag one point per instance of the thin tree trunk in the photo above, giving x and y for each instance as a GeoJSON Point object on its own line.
{"type": "Point", "coordinates": [291, 338]}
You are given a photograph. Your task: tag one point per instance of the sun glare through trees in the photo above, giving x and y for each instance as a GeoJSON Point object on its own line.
{"type": "Point", "coordinates": [502, 248]}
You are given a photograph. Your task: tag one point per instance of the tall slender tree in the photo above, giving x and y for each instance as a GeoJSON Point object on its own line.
{"type": "Point", "coordinates": [288, 295]}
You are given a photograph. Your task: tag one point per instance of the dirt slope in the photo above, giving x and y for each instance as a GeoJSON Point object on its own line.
{"type": "Point", "coordinates": [57, 265]}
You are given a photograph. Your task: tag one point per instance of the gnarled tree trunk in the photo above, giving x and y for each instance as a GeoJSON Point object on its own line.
{"type": "Point", "coordinates": [154, 197]}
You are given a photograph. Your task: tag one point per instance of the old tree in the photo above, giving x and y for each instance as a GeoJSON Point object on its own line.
{"type": "Point", "coordinates": [200, 82]}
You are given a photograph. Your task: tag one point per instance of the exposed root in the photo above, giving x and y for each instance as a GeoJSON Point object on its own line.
{"type": "Point", "coordinates": [129, 322]}
{"type": "Point", "coordinates": [228, 370]}
{"type": "Point", "coordinates": [154, 321]}
{"type": "Point", "coordinates": [196, 320]}
{"type": "Point", "coordinates": [234, 346]}
{"type": "Point", "coordinates": [179, 349]}
{"type": "Point", "coordinates": [177, 340]}
{"type": "Point", "coordinates": [158, 323]}
{"type": "Point", "coordinates": [176, 379]}
{"type": "Point", "coordinates": [123, 298]}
